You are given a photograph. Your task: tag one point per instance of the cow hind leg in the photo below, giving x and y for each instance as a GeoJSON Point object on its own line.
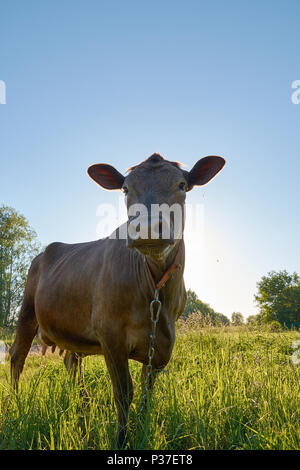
{"type": "Point", "coordinates": [25, 332]}
{"type": "Point", "coordinates": [74, 366]}
{"type": "Point", "coordinates": [73, 363]}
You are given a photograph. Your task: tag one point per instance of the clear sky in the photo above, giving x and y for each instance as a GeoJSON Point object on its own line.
{"type": "Point", "coordinates": [113, 81]}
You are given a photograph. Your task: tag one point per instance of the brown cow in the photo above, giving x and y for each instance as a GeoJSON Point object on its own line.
{"type": "Point", "coordinates": [93, 298]}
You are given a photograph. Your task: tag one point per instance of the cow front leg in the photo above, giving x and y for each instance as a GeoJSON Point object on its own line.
{"type": "Point", "coordinates": [117, 364]}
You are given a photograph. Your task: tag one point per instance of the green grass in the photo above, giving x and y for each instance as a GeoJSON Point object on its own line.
{"type": "Point", "coordinates": [228, 388]}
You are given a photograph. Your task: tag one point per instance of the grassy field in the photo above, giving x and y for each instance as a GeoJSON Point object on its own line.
{"type": "Point", "coordinates": [228, 388]}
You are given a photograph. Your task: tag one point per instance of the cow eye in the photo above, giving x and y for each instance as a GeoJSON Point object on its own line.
{"type": "Point", "coordinates": [125, 190]}
{"type": "Point", "coordinates": [182, 186]}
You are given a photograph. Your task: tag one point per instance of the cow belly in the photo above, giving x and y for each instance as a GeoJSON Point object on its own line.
{"type": "Point", "coordinates": [68, 341]}
{"type": "Point", "coordinates": [66, 324]}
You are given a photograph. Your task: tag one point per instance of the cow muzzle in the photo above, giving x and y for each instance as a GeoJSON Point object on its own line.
{"type": "Point", "coordinates": [145, 232]}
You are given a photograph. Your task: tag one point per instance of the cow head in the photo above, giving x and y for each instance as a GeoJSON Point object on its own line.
{"type": "Point", "coordinates": [155, 192]}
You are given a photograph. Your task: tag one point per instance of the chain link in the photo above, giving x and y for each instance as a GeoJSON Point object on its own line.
{"type": "Point", "coordinates": [155, 308]}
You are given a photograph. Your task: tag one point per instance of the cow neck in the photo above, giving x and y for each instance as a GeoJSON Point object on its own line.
{"type": "Point", "coordinates": [163, 278]}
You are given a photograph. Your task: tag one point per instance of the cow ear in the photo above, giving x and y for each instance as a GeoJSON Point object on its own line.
{"type": "Point", "coordinates": [204, 170]}
{"type": "Point", "coordinates": [106, 176]}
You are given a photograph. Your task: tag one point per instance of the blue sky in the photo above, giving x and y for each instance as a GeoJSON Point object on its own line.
{"type": "Point", "coordinates": [113, 81]}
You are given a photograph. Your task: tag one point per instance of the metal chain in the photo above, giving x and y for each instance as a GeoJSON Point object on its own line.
{"type": "Point", "coordinates": [154, 319]}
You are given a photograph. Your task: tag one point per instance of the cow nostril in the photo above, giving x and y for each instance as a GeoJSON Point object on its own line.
{"type": "Point", "coordinates": [157, 229]}
{"type": "Point", "coordinates": [160, 228]}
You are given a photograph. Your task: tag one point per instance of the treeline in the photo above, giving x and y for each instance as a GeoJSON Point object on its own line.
{"type": "Point", "coordinates": [18, 245]}
{"type": "Point", "coordinates": [202, 312]}
{"type": "Point", "coordinates": [278, 299]}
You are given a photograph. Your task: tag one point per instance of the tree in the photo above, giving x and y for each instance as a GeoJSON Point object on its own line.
{"type": "Point", "coordinates": [237, 319]}
{"type": "Point", "coordinates": [253, 320]}
{"type": "Point", "coordinates": [18, 245]}
{"type": "Point", "coordinates": [191, 305]}
{"type": "Point", "coordinates": [208, 315]}
{"type": "Point", "coordinates": [279, 298]}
